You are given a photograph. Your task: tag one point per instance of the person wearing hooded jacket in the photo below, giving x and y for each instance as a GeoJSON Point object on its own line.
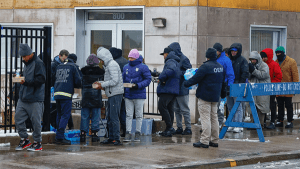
{"type": "Point", "coordinates": [241, 72]}
{"type": "Point", "coordinates": [167, 90]}
{"type": "Point", "coordinates": [117, 55]}
{"type": "Point", "coordinates": [259, 73]}
{"type": "Point", "coordinates": [276, 76]}
{"type": "Point", "coordinates": [181, 105]}
{"type": "Point", "coordinates": [289, 74]}
{"type": "Point", "coordinates": [210, 79]}
{"type": "Point", "coordinates": [114, 90]}
{"type": "Point", "coordinates": [139, 74]}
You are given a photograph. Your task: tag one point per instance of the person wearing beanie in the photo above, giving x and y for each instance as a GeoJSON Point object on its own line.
{"type": "Point", "coordinates": [181, 106]}
{"type": "Point", "coordinates": [31, 99]}
{"type": "Point", "coordinates": [210, 79]}
{"type": "Point", "coordinates": [117, 55]}
{"type": "Point", "coordinates": [241, 74]}
{"type": "Point", "coordinates": [73, 57]}
{"type": "Point", "coordinates": [290, 73]}
{"type": "Point", "coordinates": [91, 98]}
{"type": "Point", "coordinates": [229, 76]}
{"type": "Point", "coordinates": [276, 77]}
{"type": "Point", "coordinates": [137, 73]}
{"type": "Point", "coordinates": [114, 90]}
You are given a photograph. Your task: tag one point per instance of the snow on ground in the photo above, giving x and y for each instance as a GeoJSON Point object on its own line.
{"type": "Point", "coordinates": [246, 140]}
{"type": "Point", "coordinates": [2, 134]}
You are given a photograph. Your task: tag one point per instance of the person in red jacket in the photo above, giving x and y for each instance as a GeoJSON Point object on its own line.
{"type": "Point", "coordinates": [276, 76]}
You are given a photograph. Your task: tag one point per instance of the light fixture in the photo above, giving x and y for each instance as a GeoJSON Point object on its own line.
{"type": "Point", "coordinates": [159, 22]}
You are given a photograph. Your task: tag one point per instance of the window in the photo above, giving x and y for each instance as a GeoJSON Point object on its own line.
{"type": "Point", "coordinates": [262, 37]}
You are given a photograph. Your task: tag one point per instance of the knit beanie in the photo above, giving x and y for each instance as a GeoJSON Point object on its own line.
{"type": "Point", "coordinates": [73, 57]}
{"type": "Point", "coordinates": [211, 53]}
{"type": "Point", "coordinates": [280, 49]}
{"type": "Point", "coordinates": [92, 60]}
{"type": "Point", "coordinates": [134, 53]}
{"type": "Point", "coordinates": [218, 47]}
{"type": "Point", "coordinates": [24, 50]}
{"type": "Point", "coordinates": [263, 55]}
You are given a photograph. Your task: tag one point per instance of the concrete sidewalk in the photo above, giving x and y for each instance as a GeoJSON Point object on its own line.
{"type": "Point", "coordinates": [161, 152]}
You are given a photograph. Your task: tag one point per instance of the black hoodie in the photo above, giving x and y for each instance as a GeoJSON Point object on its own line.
{"type": "Point", "coordinates": [239, 64]}
{"type": "Point", "coordinates": [117, 55]}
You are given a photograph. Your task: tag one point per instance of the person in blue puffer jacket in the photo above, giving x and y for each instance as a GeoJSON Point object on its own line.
{"type": "Point", "coordinates": [137, 73]}
{"type": "Point", "coordinates": [167, 90]}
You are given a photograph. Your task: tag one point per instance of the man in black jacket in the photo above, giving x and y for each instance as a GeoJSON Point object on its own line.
{"type": "Point", "coordinates": [31, 99]}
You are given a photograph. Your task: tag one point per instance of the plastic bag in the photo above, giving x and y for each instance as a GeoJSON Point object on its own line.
{"type": "Point", "coordinates": [190, 73]}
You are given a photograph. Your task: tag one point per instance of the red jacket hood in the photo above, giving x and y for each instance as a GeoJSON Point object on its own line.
{"type": "Point", "coordinates": [269, 53]}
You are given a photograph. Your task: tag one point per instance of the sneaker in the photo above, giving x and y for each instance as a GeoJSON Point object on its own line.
{"type": "Point", "coordinates": [230, 129]}
{"type": "Point", "coordinates": [63, 142]}
{"type": "Point", "coordinates": [187, 132]}
{"type": "Point", "coordinates": [95, 137]}
{"type": "Point", "coordinates": [137, 136]}
{"type": "Point", "coordinates": [117, 142]}
{"type": "Point", "coordinates": [127, 137]}
{"type": "Point", "coordinates": [289, 125]}
{"type": "Point", "coordinates": [82, 136]}
{"type": "Point", "coordinates": [173, 131]}
{"type": "Point", "coordinates": [213, 144]}
{"type": "Point", "coordinates": [199, 144]}
{"type": "Point", "coordinates": [24, 143]}
{"type": "Point", "coordinates": [279, 124]}
{"type": "Point", "coordinates": [237, 130]}
{"type": "Point", "coordinates": [169, 132]}
{"type": "Point", "coordinates": [108, 141]}
{"type": "Point", "coordinates": [164, 132]}
{"type": "Point", "coordinates": [36, 146]}
{"type": "Point", "coordinates": [179, 130]}
{"type": "Point", "coordinates": [271, 126]}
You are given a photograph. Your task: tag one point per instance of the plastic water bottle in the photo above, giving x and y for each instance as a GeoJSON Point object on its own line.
{"type": "Point", "coordinates": [52, 93]}
{"type": "Point", "coordinates": [189, 73]}
{"type": "Point", "coordinates": [222, 103]}
{"type": "Point", "coordinates": [17, 73]}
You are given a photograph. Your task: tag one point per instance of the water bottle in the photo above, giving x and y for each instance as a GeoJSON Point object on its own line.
{"type": "Point", "coordinates": [17, 73]}
{"type": "Point", "coordinates": [222, 103]}
{"type": "Point", "coordinates": [52, 93]}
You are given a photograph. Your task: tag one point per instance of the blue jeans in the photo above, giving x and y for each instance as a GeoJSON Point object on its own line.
{"type": "Point", "coordinates": [85, 119]}
{"type": "Point", "coordinates": [113, 109]}
{"type": "Point", "coordinates": [64, 108]}
{"type": "Point", "coordinates": [238, 117]}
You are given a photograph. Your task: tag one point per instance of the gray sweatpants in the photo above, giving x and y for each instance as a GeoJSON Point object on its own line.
{"type": "Point", "coordinates": [181, 108]}
{"type": "Point", "coordinates": [131, 105]}
{"type": "Point", "coordinates": [35, 112]}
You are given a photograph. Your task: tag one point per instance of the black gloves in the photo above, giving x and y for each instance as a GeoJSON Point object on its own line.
{"type": "Point", "coordinates": [251, 67]}
{"type": "Point", "coordinates": [154, 74]}
{"type": "Point", "coordinates": [135, 86]}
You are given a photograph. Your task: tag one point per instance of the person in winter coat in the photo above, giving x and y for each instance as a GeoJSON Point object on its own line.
{"type": "Point", "coordinates": [139, 74]}
{"type": "Point", "coordinates": [68, 77]}
{"type": "Point", "coordinates": [289, 74]}
{"type": "Point", "coordinates": [167, 90]}
{"type": "Point", "coordinates": [63, 54]}
{"type": "Point", "coordinates": [276, 76]}
{"type": "Point", "coordinates": [117, 55]}
{"type": "Point", "coordinates": [114, 90]}
{"type": "Point", "coordinates": [181, 105]}
{"type": "Point", "coordinates": [229, 76]}
{"type": "Point", "coordinates": [210, 78]}
{"type": "Point", "coordinates": [31, 99]}
{"type": "Point", "coordinates": [241, 72]}
{"type": "Point", "coordinates": [91, 98]}
{"type": "Point", "coordinates": [259, 73]}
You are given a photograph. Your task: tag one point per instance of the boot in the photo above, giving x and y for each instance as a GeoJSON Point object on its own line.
{"type": "Point", "coordinates": [95, 137]}
{"type": "Point", "coordinates": [124, 132]}
{"type": "Point", "coordinates": [82, 136]}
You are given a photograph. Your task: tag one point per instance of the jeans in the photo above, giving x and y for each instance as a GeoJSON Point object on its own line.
{"type": "Point", "coordinates": [113, 122]}
{"type": "Point", "coordinates": [64, 108]}
{"type": "Point", "coordinates": [131, 105]}
{"type": "Point", "coordinates": [166, 108]}
{"type": "Point", "coordinates": [122, 117]}
{"type": "Point", "coordinates": [181, 107]}
{"type": "Point", "coordinates": [238, 117]}
{"type": "Point", "coordinates": [85, 119]}
{"type": "Point", "coordinates": [273, 108]}
{"type": "Point", "coordinates": [287, 103]}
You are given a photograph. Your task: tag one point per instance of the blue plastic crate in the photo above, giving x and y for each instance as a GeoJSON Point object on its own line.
{"type": "Point", "coordinates": [72, 135]}
{"type": "Point", "coordinates": [146, 126]}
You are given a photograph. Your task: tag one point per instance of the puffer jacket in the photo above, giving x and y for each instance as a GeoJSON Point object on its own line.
{"type": "Point", "coordinates": [113, 81]}
{"type": "Point", "coordinates": [260, 75]}
{"type": "Point", "coordinates": [170, 76]}
{"type": "Point", "coordinates": [138, 73]}
{"type": "Point", "coordinates": [239, 64]}
{"type": "Point", "coordinates": [91, 98]}
{"type": "Point", "coordinates": [227, 65]}
{"type": "Point", "coordinates": [289, 72]}
{"type": "Point", "coordinates": [184, 64]}
{"type": "Point", "coordinates": [56, 61]}
{"type": "Point", "coordinates": [274, 68]}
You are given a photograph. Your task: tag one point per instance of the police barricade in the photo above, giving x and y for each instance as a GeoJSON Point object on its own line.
{"type": "Point", "coordinates": [245, 92]}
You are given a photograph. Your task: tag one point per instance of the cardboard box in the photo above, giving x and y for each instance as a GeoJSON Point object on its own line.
{"type": "Point", "coordinates": [128, 85]}
{"type": "Point", "coordinates": [17, 79]}
{"type": "Point", "coordinates": [146, 126]}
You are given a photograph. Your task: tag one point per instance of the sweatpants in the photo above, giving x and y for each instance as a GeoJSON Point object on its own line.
{"type": "Point", "coordinates": [166, 108]}
{"type": "Point", "coordinates": [209, 121]}
{"type": "Point", "coordinates": [181, 108]}
{"type": "Point", "coordinates": [113, 122]}
{"type": "Point", "coordinates": [287, 103]}
{"type": "Point", "coordinates": [34, 111]}
{"type": "Point", "coordinates": [64, 107]}
{"type": "Point", "coordinates": [132, 105]}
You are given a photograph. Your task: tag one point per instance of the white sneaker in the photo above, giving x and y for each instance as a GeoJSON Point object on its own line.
{"type": "Point", "coordinates": [230, 129]}
{"type": "Point", "coordinates": [237, 130]}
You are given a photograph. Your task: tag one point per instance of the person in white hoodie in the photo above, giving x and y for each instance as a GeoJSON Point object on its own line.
{"type": "Point", "coordinates": [114, 90]}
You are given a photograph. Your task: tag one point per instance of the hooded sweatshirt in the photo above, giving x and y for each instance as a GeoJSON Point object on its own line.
{"type": "Point", "coordinates": [184, 64]}
{"type": "Point", "coordinates": [239, 64]}
{"type": "Point", "coordinates": [117, 55]}
{"type": "Point", "coordinates": [113, 81]}
{"type": "Point", "coordinates": [274, 68]}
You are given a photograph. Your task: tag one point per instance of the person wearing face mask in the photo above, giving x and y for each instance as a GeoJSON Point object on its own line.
{"type": "Point", "coordinates": [259, 73]}
{"type": "Point", "coordinates": [289, 74]}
